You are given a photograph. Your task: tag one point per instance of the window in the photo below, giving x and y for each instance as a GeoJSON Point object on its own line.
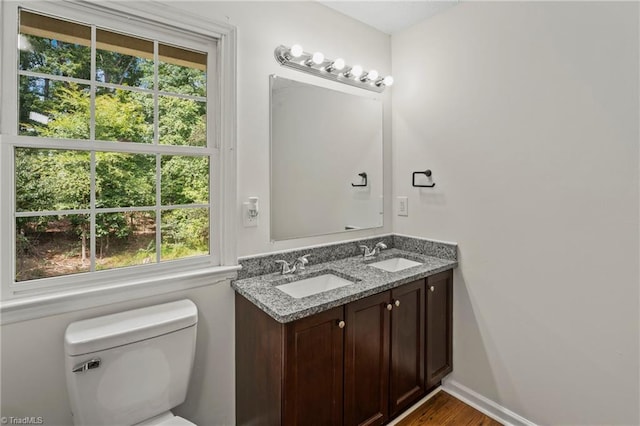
{"type": "Point", "coordinates": [114, 150]}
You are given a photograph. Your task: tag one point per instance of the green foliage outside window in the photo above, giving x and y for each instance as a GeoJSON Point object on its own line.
{"type": "Point", "coordinates": [59, 179]}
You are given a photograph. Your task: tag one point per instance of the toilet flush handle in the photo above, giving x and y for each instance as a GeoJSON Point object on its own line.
{"type": "Point", "coordinates": [87, 365]}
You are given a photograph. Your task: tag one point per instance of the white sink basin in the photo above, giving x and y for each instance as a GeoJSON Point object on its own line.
{"type": "Point", "coordinates": [314, 285]}
{"type": "Point", "coordinates": [395, 264]}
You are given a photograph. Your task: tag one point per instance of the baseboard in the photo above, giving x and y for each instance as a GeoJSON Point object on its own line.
{"type": "Point", "coordinates": [484, 405]}
{"type": "Point", "coordinates": [414, 406]}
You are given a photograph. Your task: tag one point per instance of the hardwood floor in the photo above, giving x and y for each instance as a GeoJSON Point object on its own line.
{"type": "Point", "coordinates": [442, 410]}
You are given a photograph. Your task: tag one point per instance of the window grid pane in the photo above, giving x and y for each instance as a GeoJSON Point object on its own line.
{"type": "Point", "coordinates": [124, 60]}
{"type": "Point", "coordinates": [53, 108]}
{"type": "Point", "coordinates": [51, 246]}
{"type": "Point", "coordinates": [54, 46]}
{"type": "Point", "coordinates": [125, 180]}
{"type": "Point", "coordinates": [125, 239]}
{"type": "Point", "coordinates": [185, 233]}
{"type": "Point", "coordinates": [49, 180]}
{"type": "Point", "coordinates": [123, 115]}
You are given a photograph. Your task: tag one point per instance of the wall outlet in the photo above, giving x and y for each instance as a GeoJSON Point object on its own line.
{"type": "Point", "coordinates": [247, 220]}
{"type": "Point", "coordinates": [403, 206]}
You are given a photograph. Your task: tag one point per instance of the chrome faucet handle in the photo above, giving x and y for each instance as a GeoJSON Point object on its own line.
{"type": "Point", "coordinates": [379, 247]}
{"type": "Point", "coordinates": [366, 251]}
{"type": "Point", "coordinates": [301, 261]}
{"type": "Point", "coordinates": [286, 268]}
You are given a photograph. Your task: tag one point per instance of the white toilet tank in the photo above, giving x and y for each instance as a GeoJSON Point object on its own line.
{"type": "Point", "coordinates": [128, 367]}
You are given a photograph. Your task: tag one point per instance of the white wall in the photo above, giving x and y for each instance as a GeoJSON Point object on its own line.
{"type": "Point", "coordinates": [32, 354]}
{"type": "Point", "coordinates": [261, 27]}
{"type": "Point", "coordinates": [32, 364]}
{"type": "Point", "coordinates": [527, 113]}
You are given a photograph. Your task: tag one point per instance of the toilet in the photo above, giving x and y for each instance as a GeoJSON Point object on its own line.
{"type": "Point", "coordinates": [133, 367]}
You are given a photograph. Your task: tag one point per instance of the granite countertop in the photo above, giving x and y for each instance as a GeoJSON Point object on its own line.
{"type": "Point", "coordinates": [261, 290]}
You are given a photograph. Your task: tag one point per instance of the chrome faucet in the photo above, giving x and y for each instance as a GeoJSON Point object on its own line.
{"type": "Point", "coordinates": [286, 268]}
{"type": "Point", "coordinates": [376, 250]}
{"type": "Point", "coordinates": [300, 262]}
{"type": "Point", "coordinates": [298, 265]}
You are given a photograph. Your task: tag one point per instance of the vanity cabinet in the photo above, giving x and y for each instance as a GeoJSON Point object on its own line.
{"type": "Point", "coordinates": [407, 379]}
{"type": "Point", "coordinates": [313, 370]}
{"type": "Point", "coordinates": [439, 322]}
{"type": "Point", "coordinates": [288, 374]}
{"type": "Point", "coordinates": [358, 364]}
{"type": "Point", "coordinates": [384, 354]}
{"type": "Point", "coordinates": [366, 363]}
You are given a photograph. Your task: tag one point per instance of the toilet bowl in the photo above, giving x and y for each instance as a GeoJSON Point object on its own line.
{"type": "Point", "coordinates": [133, 367]}
{"type": "Point", "coordinates": [166, 419]}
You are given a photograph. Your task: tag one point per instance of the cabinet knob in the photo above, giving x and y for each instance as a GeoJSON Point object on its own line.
{"type": "Point", "coordinates": [432, 288]}
{"type": "Point", "coordinates": [389, 307]}
{"type": "Point", "coordinates": [397, 303]}
{"type": "Point", "coordinates": [341, 324]}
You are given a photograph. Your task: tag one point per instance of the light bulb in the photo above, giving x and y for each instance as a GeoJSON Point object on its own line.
{"type": "Point", "coordinates": [338, 64]}
{"type": "Point", "coordinates": [317, 58]}
{"type": "Point", "coordinates": [387, 81]}
{"type": "Point", "coordinates": [296, 50]}
{"type": "Point", "coordinates": [356, 71]}
{"type": "Point", "coordinates": [372, 75]}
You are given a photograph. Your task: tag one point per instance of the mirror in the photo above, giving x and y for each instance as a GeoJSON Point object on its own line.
{"type": "Point", "coordinates": [326, 160]}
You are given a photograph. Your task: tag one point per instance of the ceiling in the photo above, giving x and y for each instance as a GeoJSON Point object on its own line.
{"type": "Point", "coordinates": [390, 16]}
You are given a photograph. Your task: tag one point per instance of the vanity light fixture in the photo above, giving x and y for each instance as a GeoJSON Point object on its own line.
{"type": "Point", "coordinates": [315, 63]}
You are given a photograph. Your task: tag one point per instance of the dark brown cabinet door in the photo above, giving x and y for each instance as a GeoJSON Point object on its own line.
{"type": "Point", "coordinates": [366, 363]}
{"type": "Point", "coordinates": [407, 345]}
{"type": "Point", "coordinates": [439, 336]}
{"type": "Point", "coordinates": [313, 370]}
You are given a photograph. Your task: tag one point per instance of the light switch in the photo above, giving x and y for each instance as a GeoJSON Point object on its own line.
{"type": "Point", "coordinates": [403, 206]}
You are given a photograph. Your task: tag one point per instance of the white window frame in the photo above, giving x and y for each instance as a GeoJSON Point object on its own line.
{"type": "Point", "coordinates": [163, 23]}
